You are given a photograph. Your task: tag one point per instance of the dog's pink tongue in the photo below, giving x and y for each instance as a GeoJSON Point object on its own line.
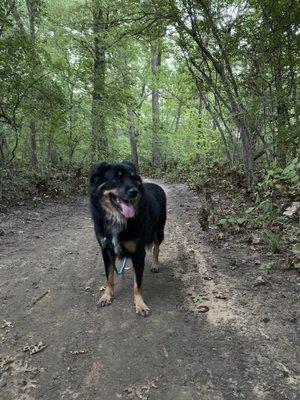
{"type": "Point", "coordinates": [126, 209]}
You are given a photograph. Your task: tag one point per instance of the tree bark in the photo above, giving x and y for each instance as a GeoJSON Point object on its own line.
{"type": "Point", "coordinates": [72, 140]}
{"type": "Point", "coordinates": [199, 129]}
{"type": "Point", "coordinates": [220, 129]}
{"type": "Point", "coordinates": [282, 112]}
{"type": "Point", "coordinates": [156, 51]}
{"type": "Point", "coordinates": [31, 7]}
{"type": "Point", "coordinates": [33, 147]}
{"type": "Point", "coordinates": [99, 141]}
{"type": "Point", "coordinates": [133, 138]}
{"type": "Point", "coordinates": [2, 148]}
{"type": "Point", "coordinates": [178, 116]}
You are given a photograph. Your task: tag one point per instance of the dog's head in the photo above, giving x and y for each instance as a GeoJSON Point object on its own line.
{"type": "Point", "coordinates": [118, 187]}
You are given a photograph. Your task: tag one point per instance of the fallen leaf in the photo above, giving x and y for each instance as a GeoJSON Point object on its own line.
{"type": "Point", "coordinates": [290, 211]}
{"type": "Point", "coordinates": [221, 296]}
{"type": "Point", "coordinates": [259, 281]}
{"type": "Point", "coordinates": [7, 324]}
{"type": "Point", "coordinates": [255, 239]}
{"type": "Point", "coordinates": [33, 349]}
{"type": "Point", "coordinates": [77, 352]}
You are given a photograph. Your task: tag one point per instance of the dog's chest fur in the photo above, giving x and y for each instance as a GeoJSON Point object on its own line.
{"type": "Point", "coordinates": [116, 224]}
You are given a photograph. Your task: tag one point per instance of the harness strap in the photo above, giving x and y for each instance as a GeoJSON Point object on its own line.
{"type": "Point", "coordinates": [105, 242]}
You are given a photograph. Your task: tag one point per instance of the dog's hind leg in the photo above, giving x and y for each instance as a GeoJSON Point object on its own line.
{"type": "Point", "coordinates": [159, 236]}
{"type": "Point", "coordinates": [155, 268]}
{"type": "Point", "coordinates": [107, 297]}
{"type": "Point", "coordinates": [138, 261]}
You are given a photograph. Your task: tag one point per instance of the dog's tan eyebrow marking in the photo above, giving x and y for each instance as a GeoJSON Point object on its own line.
{"type": "Point", "coordinates": [119, 173]}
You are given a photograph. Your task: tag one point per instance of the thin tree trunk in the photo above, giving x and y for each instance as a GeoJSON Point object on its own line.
{"type": "Point", "coordinates": [33, 157]}
{"type": "Point", "coordinates": [72, 141]}
{"type": "Point", "coordinates": [31, 7]}
{"type": "Point", "coordinates": [294, 85]}
{"type": "Point", "coordinates": [133, 138]}
{"type": "Point", "coordinates": [156, 51]}
{"type": "Point", "coordinates": [282, 113]}
{"type": "Point", "coordinates": [99, 140]}
{"type": "Point", "coordinates": [293, 76]}
{"type": "Point", "coordinates": [238, 114]}
{"type": "Point", "coordinates": [218, 126]}
{"type": "Point", "coordinates": [229, 84]}
{"type": "Point", "coordinates": [199, 129]}
{"type": "Point", "coordinates": [2, 147]}
{"type": "Point", "coordinates": [178, 116]}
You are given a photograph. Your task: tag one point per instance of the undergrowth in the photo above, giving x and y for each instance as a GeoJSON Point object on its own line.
{"type": "Point", "coordinates": [18, 185]}
{"type": "Point", "coordinates": [271, 209]}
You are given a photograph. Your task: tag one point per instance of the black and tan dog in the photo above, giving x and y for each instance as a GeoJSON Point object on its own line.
{"type": "Point", "coordinates": [128, 216]}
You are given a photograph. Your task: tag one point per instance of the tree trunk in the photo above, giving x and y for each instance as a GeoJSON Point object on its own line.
{"type": "Point", "coordinates": [282, 113]}
{"type": "Point", "coordinates": [3, 145]}
{"type": "Point", "coordinates": [33, 156]}
{"type": "Point", "coordinates": [99, 140]}
{"type": "Point", "coordinates": [225, 73]}
{"type": "Point", "coordinates": [199, 129]}
{"type": "Point", "coordinates": [133, 138]}
{"type": "Point", "coordinates": [72, 141]}
{"type": "Point", "coordinates": [31, 7]}
{"type": "Point", "coordinates": [217, 125]}
{"type": "Point", "coordinates": [156, 51]}
{"type": "Point", "coordinates": [178, 116]}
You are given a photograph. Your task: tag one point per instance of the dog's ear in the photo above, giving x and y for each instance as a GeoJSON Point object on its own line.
{"type": "Point", "coordinates": [97, 171]}
{"type": "Point", "coordinates": [131, 165]}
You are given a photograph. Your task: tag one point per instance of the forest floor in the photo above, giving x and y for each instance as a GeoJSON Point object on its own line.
{"type": "Point", "coordinates": [58, 344]}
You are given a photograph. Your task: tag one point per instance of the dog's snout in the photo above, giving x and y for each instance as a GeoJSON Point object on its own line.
{"type": "Point", "coordinates": [132, 193]}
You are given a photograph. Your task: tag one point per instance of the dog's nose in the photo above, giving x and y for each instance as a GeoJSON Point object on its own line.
{"type": "Point", "coordinates": [132, 193]}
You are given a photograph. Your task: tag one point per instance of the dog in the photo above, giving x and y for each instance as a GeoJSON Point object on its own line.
{"type": "Point", "coordinates": [128, 217]}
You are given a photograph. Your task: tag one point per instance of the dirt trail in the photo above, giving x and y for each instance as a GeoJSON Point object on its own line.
{"type": "Point", "coordinates": [51, 272]}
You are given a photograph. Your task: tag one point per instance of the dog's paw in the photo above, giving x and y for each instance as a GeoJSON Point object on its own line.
{"type": "Point", "coordinates": [105, 300]}
{"type": "Point", "coordinates": [144, 312]}
{"type": "Point", "coordinates": [155, 269]}
{"type": "Point", "coordinates": [141, 308]}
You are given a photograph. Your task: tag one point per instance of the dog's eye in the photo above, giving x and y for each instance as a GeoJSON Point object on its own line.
{"type": "Point", "coordinates": [116, 179]}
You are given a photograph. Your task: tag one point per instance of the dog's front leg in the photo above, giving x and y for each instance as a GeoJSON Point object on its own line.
{"type": "Point", "coordinates": [107, 297]}
{"type": "Point", "coordinates": [138, 261]}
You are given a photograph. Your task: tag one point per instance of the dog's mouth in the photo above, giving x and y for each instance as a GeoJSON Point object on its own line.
{"type": "Point", "coordinates": [123, 206]}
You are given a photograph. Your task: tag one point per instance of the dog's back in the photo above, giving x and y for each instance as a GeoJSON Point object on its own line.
{"type": "Point", "coordinates": [156, 199]}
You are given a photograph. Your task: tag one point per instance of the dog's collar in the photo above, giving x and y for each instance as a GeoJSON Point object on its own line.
{"type": "Point", "coordinates": [105, 242]}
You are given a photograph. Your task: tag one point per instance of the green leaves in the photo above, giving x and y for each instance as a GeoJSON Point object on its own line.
{"type": "Point", "coordinates": [199, 298]}
{"type": "Point", "coordinates": [265, 266]}
{"type": "Point", "coordinates": [233, 222]}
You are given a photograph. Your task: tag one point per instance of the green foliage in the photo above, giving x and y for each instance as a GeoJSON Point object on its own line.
{"type": "Point", "coordinates": [41, 185]}
{"type": "Point", "coordinates": [36, 200]}
{"type": "Point", "coordinates": [281, 178]}
{"type": "Point", "coordinates": [265, 266]}
{"type": "Point", "coordinates": [232, 221]}
{"type": "Point", "coordinates": [273, 241]}
{"type": "Point", "coordinates": [199, 298]}
{"type": "Point", "coordinates": [48, 78]}
{"type": "Point", "coordinates": [296, 249]}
